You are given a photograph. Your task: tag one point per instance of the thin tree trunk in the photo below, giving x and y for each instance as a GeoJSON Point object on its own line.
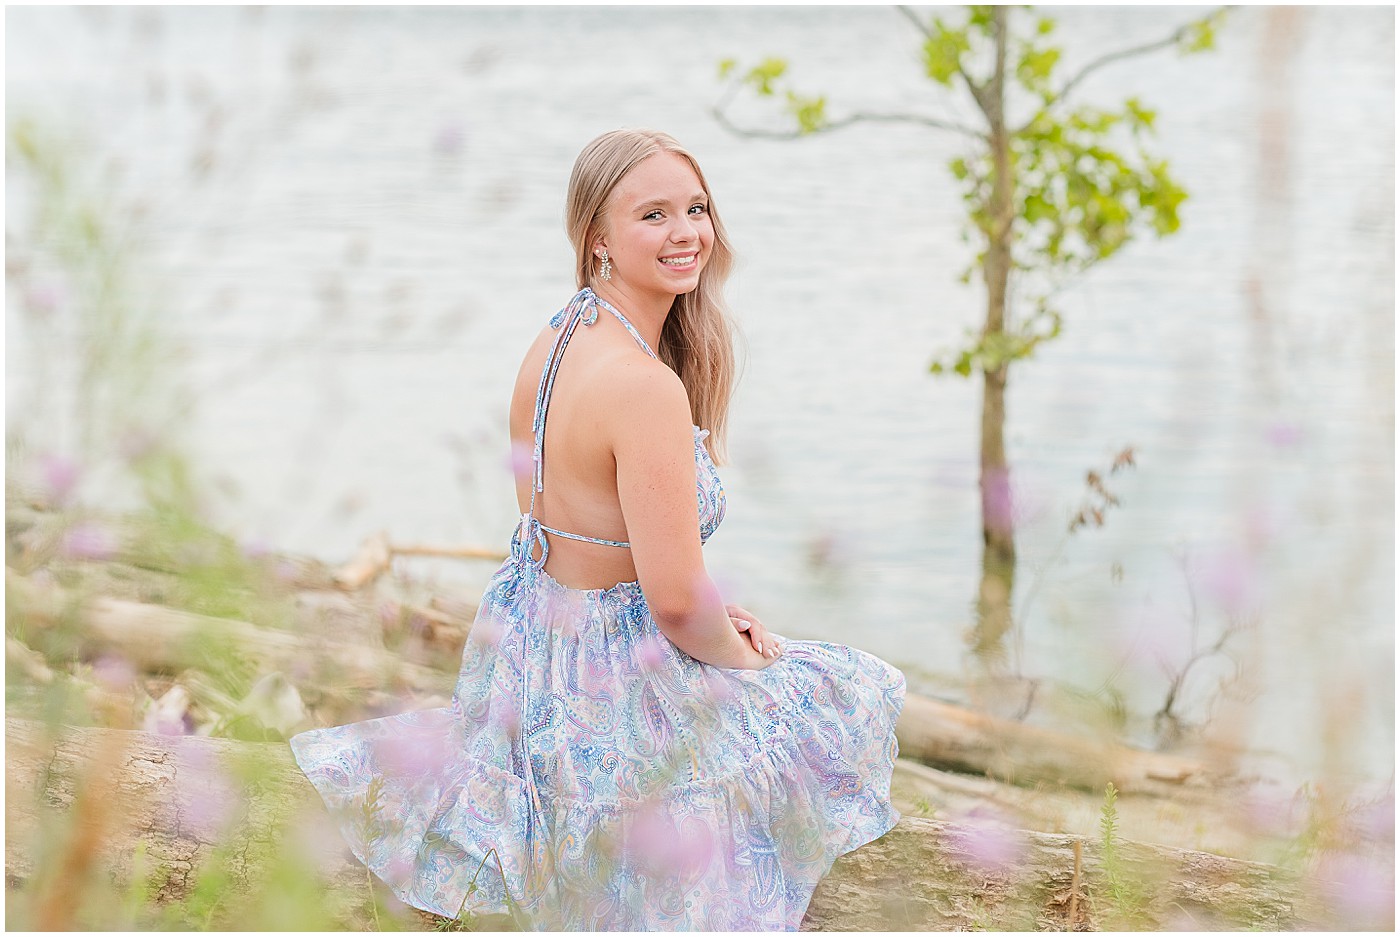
{"type": "Point", "coordinates": [999, 548]}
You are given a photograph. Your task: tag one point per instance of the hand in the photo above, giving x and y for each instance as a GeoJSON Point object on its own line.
{"type": "Point", "coordinates": [747, 622]}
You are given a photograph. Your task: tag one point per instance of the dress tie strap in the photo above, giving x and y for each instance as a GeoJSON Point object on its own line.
{"type": "Point", "coordinates": [581, 309]}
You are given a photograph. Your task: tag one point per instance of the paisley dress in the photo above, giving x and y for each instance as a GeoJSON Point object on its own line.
{"type": "Point", "coordinates": [590, 775]}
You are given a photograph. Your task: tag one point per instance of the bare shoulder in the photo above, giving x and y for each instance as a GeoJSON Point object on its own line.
{"type": "Point", "coordinates": [645, 400]}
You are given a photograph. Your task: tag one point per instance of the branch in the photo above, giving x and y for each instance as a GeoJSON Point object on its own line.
{"type": "Point", "coordinates": [918, 23]}
{"type": "Point", "coordinates": [1098, 63]}
{"type": "Point", "coordinates": [977, 91]}
{"type": "Point", "coordinates": [857, 118]}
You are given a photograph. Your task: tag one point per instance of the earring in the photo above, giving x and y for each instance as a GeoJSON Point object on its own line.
{"type": "Point", "coordinates": [605, 269]}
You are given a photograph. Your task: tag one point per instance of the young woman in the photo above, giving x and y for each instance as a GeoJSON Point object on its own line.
{"type": "Point", "coordinates": [624, 751]}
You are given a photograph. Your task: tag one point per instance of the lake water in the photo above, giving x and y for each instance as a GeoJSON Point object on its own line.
{"type": "Point", "coordinates": [354, 219]}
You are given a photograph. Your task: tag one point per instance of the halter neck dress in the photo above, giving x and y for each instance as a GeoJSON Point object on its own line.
{"type": "Point", "coordinates": [590, 775]}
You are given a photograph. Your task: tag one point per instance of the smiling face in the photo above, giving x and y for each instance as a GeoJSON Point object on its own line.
{"type": "Point", "coordinates": [658, 232]}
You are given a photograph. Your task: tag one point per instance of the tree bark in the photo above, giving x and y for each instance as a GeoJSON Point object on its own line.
{"type": "Point", "coordinates": [923, 875]}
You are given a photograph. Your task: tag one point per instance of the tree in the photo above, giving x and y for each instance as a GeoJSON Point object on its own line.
{"type": "Point", "coordinates": [1050, 190]}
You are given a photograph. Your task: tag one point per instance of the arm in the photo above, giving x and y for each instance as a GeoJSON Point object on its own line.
{"type": "Point", "coordinates": [654, 446]}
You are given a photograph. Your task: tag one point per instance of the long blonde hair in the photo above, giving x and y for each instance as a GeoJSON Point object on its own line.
{"type": "Point", "coordinates": [697, 339]}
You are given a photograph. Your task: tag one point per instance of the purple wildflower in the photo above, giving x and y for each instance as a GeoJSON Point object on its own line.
{"type": "Point", "coordinates": [87, 541]}
{"type": "Point", "coordinates": [113, 672]}
{"type": "Point", "coordinates": [1284, 435]}
{"type": "Point", "coordinates": [60, 477]}
{"type": "Point", "coordinates": [1362, 889]}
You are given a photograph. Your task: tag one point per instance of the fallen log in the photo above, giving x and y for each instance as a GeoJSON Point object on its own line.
{"type": "Point", "coordinates": [962, 739]}
{"type": "Point", "coordinates": [158, 638]}
{"type": "Point", "coordinates": [923, 875]}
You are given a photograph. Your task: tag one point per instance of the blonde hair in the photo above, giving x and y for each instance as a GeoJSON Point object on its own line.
{"type": "Point", "coordinates": [697, 339]}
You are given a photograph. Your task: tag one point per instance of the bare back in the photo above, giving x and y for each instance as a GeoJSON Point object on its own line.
{"type": "Point", "coordinates": [580, 491]}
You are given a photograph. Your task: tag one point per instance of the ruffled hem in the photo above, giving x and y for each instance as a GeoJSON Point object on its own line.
{"type": "Point", "coordinates": [772, 826]}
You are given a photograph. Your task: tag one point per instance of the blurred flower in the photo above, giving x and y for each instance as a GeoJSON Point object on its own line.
{"type": "Point", "coordinates": [506, 712]}
{"type": "Point", "coordinates": [255, 548]}
{"type": "Point", "coordinates": [706, 589]}
{"type": "Point", "coordinates": [717, 688]}
{"type": "Point", "coordinates": [1230, 576]}
{"type": "Point", "coordinates": [1284, 435]}
{"type": "Point", "coordinates": [653, 842]}
{"type": "Point", "coordinates": [991, 844]}
{"type": "Point", "coordinates": [400, 868]}
{"type": "Point", "coordinates": [113, 672]}
{"type": "Point", "coordinates": [1376, 821]}
{"type": "Point", "coordinates": [413, 751]}
{"type": "Point", "coordinates": [449, 139]}
{"type": "Point", "coordinates": [1271, 811]}
{"type": "Point", "coordinates": [209, 798]}
{"type": "Point", "coordinates": [60, 477]}
{"type": "Point", "coordinates": [651, 653]}
{"type": "Point", "coordinates": [486, 631]}
{"type": "Point", "coordinates": [1361, 888]}
{"type": "Point", "coordinates": [87, 541]}
{"type": "Point", "coordinates": [44, 297]}
{"type": "Point", "coordinates": [521, 460]}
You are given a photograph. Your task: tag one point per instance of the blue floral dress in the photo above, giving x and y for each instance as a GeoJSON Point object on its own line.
{"type": "Point", "coordinates": [594, 776]}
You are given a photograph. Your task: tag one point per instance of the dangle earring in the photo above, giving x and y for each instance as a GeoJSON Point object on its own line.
{"type": "Point", "coordinates": [605, 269]}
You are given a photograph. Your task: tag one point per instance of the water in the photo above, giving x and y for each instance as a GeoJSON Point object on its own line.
{"type": "Point", "coordinates": [377, 233]}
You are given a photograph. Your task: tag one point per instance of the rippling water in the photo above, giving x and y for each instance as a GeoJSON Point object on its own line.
{"type": "Point", "coordinates": [376, 232]}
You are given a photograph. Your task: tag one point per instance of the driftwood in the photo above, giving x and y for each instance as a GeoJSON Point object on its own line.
{"type": "Point", "coordinates": [923, 875]}
{"type": "Point", "coordinates": [159, 638]}
{"type": "Point", "coordinates": [965, 740]}
{"type": "Point", "coordinates": [376, 554]}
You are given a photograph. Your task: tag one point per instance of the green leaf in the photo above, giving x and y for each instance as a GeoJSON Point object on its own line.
{"type": "Point", "coordinates": [1035, 67]}
{"type": "Point", "coordinates": [943, 52]}
{"type": "Point", "coordinates": [1200, 35]}
{"type": "Point", "coordinates": [762, 75]}
{"type": "Point", "coordinates": [809, 112]}
{"type": "Point", "coordinates": [726, 68]}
